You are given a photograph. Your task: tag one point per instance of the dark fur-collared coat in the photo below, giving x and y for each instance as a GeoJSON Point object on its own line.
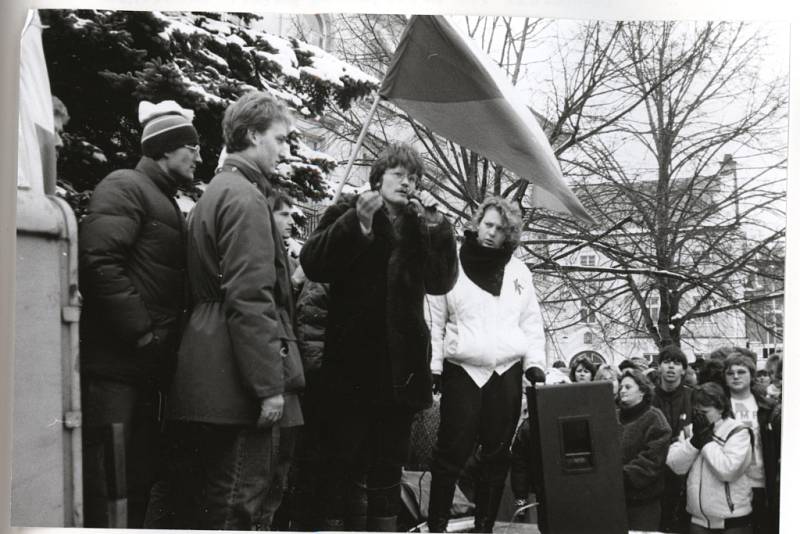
{"type": "Point", "coordinates": [377, 344]}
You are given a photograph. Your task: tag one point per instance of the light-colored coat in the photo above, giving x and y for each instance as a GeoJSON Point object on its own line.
{"type": "Point", "coordinates": [484, 333]}
{"type": "Point", "coordinates": [716, 488]}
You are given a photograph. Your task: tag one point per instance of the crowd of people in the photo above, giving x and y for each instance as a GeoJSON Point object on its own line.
{"type": "Point", "coordinates": [698, 456]}
{"type": "Point", "coordinates": [231, 370]}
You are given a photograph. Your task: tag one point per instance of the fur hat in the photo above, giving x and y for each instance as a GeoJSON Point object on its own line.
{"type": "Point", "coordinates": [167, 127]}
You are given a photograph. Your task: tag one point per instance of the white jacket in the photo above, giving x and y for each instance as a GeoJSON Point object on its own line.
{"type": "Point", "coordinates": [716, 488]}
{"type": "Point", "coordinates": [484, 333]}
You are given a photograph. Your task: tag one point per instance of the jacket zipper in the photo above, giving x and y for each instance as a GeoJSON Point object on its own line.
{"type": "Point", "coordinates": [728, 495]}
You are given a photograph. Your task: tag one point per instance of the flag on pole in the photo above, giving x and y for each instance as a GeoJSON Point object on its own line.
{"type": "Point", "coordinates": [36, 152]}
{"type": "Point", "coordinates": [446, 82]}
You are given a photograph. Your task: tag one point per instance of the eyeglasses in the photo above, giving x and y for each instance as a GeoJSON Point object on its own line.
{"type": "Point", "coordinates": [195, 149]}
{"type": "Point", "coordinates": [738, 372]}
{"type": "Point", "coordinates": [400, 175]}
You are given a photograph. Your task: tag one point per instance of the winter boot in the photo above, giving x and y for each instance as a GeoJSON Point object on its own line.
{"type": "Point", "coordinates": [355, 518]}
{"type": "Point", "coordinates": [382, 524]}
{"type": "Point", "coordinates": [487, 503]}
{"type": "Point", "coordinates": [440, 503]}
{"type": "Point", "coordinates": [332, 525]}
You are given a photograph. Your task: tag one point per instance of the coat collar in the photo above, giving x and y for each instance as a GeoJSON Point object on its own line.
{"type": "Point", "coordinates": [236, 163]}
{"type": "Point", "coordinates": [152, 170]}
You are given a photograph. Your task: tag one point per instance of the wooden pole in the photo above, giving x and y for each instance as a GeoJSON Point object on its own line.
{"type": "Point", "coordinates": [357, 148]}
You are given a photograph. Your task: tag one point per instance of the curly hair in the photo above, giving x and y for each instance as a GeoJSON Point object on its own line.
{"type": "Point", "coordinates": [509, 213]}
{"type": "Point", "coordinates": [254, 111]}
{"type": "Point", "coordinates": [645, 386]}
{"type": "Point", "coordinates": [395, 155]}
{"type": "Point", "coordinates": [604, 370]}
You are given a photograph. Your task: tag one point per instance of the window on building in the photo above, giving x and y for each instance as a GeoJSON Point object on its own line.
{"type": "Point", "coordinates": [588, 260]}
{"type": "Point", "coordinates": [653, 306]}
{"type": "Point", "coordinates": [588, 315]}
{"type": "Point", "coordinates": [774, 323]}
{"type": "Point", "coordinates": [588, 338]}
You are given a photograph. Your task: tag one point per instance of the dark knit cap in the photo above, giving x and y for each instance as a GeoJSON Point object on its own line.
{"type": "Point", "coordinates": [165, 133]}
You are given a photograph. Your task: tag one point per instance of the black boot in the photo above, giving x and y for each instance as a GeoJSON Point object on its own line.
{"type": "Point", "coordinates": [440, 503]}
{"type": "Point", "coordinates": [332, 525]}
{"type": "Point", "coordinates": [382, 524]}
{"type": "Point", "coordinates": [355, 519]}
{"type": "Point", "coordinates": [487, 503]}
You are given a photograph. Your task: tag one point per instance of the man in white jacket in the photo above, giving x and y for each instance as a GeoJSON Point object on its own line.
{"type": "Point", "coordinates": [485, 333]}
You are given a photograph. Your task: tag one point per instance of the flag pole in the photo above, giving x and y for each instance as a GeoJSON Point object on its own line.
{"type": "Point", "coordinates": [355, 150]}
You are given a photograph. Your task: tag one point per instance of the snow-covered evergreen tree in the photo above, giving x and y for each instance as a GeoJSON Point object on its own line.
{"type": "Point", "coordinates": [103, 63]}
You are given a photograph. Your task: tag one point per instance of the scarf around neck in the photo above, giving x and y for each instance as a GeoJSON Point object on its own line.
{"type": "Point", "coordinates": [484, 265]}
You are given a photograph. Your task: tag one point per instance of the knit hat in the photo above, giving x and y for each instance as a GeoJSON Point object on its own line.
{"type": "Point", "coordinates": [167, 127]}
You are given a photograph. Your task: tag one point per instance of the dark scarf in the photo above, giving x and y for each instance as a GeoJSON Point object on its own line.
{"type": "Point", "coordinates": [484, 265]}
{"type": "Point", "coordinates": [628, 414]}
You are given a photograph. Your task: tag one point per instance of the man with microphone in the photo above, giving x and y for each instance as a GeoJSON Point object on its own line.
{"type": "Point", "coordinates": [381, 252]}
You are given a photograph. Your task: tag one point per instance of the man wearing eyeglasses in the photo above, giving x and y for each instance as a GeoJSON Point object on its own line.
{"type": "Point", "coordinates": [753, 409]}
{"type": "Point", "coordinates": [380, 252]}
{"type": "Point", "coordinates": [132, 275]}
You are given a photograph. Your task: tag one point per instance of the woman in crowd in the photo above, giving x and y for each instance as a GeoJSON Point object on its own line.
{"type": "Point", "coordinates": [645, 436]}
{"type": "Point", "coordinates": [609, 374]}
{"type": "Point", "coordinates": [716, 456]}
{"type": "Point", "coordinates": [485, 333]}
{"type": "Point", "coordinates": [582, 370]}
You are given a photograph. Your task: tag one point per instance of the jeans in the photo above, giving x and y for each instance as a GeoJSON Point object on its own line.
{"type": "Point", "coordinates": [136, 408]}
{"type": "Point", "coordinates": [371, 438]}
{"type": "Point", "coordinates": [219, 475]}
{"type": "Point", "coordinates": [284, 440]}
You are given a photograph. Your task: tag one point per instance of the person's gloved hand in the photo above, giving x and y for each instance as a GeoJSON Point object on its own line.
{"type": "Point", "coordinates": [437, 384]}
{"type": "Point", "coordinates": [702, 431]}
{"type": "Point", "coordinates": [534, 374]}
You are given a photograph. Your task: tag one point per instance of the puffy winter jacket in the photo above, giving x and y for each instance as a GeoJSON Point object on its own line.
{"type": "Point", "coordinates": [716, 488]}
{"type": "Point", "coordinates": [312, 316]}
{"type": "Point", "coordinates": [132, 271]}
{"type": "Point", "coordinates": [482, 332]}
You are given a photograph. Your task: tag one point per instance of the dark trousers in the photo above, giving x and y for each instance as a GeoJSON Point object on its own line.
{"type": "Point", "coordinates": [644, 516]}
{"type": "Point", "coordinates": [674, 517]}
{"type": "Point", "coordinates": [219, 475]}
{"type": "Point", "coordinates": [697, 529]}
{"type": "Point", "coordinates": [283, 445]}
{"type": "Point", "coordinates": [300, 509]}
{"type": "Point", "coordinates": [136, 408]}
{"type": "Point", "coordinates": [470, 414]}
{"type": "Point", "coordinates": [364, 438]}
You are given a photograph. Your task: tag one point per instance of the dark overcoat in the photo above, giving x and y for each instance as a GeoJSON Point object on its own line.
{"type": "Point", "coordinates": [377, 344]}
{"type": "Point", "coordinates": [131, 271]}
{"type": "Point", "coordinates": [239, 345]}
